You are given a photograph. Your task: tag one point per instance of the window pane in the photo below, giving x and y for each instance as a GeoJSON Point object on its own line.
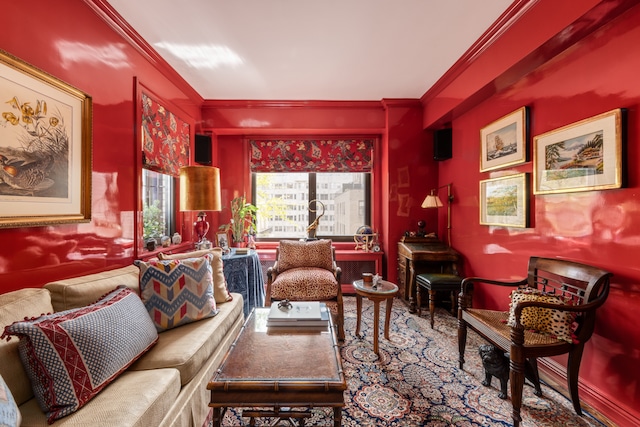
{"type": "Point", "coordinates": [283, 203]}
{"type": "Point", "coordinates": [157, 204]}
{"type": "Point", "coordinates": [282, 200]}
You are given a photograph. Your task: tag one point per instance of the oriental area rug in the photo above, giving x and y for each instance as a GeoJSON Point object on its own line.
{"type": "Point", "coordinates": [417, 382]}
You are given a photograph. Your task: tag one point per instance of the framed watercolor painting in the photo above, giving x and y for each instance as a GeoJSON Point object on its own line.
{"type": "Point", "coordinates": [45, 148]}
{"type": "Point", "coordinates": [504, 142]}
{"type": "Point", "coordinates": [582, 156]}
{"type": "Point", "coordinates": [504, 201]}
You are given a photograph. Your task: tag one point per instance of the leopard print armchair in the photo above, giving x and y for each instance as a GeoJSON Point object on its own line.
{"type": "Point", "coordinates": [307, 271]}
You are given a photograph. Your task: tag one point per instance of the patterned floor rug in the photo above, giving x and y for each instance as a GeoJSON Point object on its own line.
{"type": "Point", "coordinates": [417, 382]}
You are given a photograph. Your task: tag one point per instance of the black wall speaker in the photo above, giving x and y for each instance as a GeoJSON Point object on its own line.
{"type": "Point", "coordinates": [442, 144]}
{"type": "Point", "coordinates": [203, 149]}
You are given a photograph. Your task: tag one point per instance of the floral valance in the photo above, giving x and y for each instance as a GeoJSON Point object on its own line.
{"type": "Point", "coordinates": [165, 138]}
{"type": "Point", "coordinates": [311, 155]}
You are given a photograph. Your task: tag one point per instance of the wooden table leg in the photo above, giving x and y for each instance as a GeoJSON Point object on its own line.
{"type": "Point", "coordinates": [412, 287]}
{"type": "Point", "coordinates": [217, 422]}
{"type": "Point", "coordinates": [376, 325]}
{"type": "Point", "coordinates": [337, 417]}
{"type": "Point", "coordinates": [358, 313]}
{"type": "Point", "coordinates": [387, 317]}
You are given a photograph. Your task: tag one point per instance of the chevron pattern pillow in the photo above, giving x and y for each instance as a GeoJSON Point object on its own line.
{"type": "Point", "coordinates": [70, 356]}
{"type": "Point", "coordinates": [177, 292]}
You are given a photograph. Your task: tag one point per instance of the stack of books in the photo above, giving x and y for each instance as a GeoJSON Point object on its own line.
{"type": "Point", "coordinates": [300, 314]}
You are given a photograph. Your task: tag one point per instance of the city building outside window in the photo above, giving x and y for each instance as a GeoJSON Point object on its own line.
{"type": "Point", "coordinates": [283, 199]}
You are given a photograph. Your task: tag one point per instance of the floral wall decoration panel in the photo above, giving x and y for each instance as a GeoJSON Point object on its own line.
{"type": "Point", "coordinates": [165, 137]}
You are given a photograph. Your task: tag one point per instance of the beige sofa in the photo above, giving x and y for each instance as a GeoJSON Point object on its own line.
{"type": "Point", "coordinates": [165, 387]}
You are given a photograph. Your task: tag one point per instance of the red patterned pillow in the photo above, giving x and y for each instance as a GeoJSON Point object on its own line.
{"type": "Point", "coordinates": [70, 356]}
{"type": "Point", "coordinates": [296, 254]}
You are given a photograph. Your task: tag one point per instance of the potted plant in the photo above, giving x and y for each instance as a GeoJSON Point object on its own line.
{"type": "Point", "coordinates": [242, 221]}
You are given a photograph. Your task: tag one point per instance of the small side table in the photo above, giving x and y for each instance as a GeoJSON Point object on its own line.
{"type": "Point", "coordinates": [384, 291]}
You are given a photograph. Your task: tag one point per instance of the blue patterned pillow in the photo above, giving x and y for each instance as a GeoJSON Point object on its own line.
{"type": "Point", "coordinates": [70, 356]}
{"type": "Point", "coordinates": [177, 292]}
{"type": "Point", "coordinates": [9, 412]}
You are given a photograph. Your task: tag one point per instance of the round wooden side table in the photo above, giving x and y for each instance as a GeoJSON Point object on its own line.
{"type": "Point", "coordinates": [384, 291]}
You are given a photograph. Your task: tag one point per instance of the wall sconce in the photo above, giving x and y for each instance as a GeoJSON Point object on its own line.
{"type": "Point", "coordinates": [200, 191]}
{"type": "Point", "coordinates": [433, 201]}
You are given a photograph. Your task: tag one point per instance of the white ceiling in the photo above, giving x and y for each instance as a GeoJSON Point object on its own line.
{"type": "Point", "coordinates": [311, 50]}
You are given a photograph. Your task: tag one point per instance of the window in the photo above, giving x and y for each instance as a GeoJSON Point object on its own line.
{"type": "Point", "coordinates": [158, 204]}
{"type": "Point", "coordinates": [283, 199]}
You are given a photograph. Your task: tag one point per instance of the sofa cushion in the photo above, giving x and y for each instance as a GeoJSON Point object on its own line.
{"type": "Point", "coordinates": [188, 347]}
{"type": "Point", "coordinates": [84, 290]}
{"type": "Point", "coordinates": [14, 306]}
{"type": "Point", "coordinates": [310, 284]}
{"type": "Point", "coordinates": [556, 323]}
{"type": "Point", "coordinates": [220, 290]}
{"type": "Point", "coordinates": [135, 399]}
{"type": "Point", "coordinates": [9, 413]}
{"type": "Point", "coordinates": [295, 254]}
{"type": "Point", "coordinates": [63, 353]}
{"type": "Point", "coordinates": [177, 292]}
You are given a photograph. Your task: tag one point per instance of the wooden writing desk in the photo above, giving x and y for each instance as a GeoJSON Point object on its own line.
{"type": "Point", "coordinates": [417, 255]}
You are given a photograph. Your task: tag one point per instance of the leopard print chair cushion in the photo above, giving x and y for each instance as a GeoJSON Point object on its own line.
{"type": "Point", "coordinates": [295, 254]}
{"type": "Point", "coordinates": [556, 323]}
{"type": "Point", "coordinates": [305, 284]}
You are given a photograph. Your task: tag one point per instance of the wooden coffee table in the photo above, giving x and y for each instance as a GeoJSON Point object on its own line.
{"type": "Point", "coordinates": [275, 370]}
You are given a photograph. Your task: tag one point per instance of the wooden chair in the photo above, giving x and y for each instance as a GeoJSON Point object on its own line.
{"type": "Point", "coordinates": [568, 291]}
{"type": "Point", "coordinates": [307, 271]}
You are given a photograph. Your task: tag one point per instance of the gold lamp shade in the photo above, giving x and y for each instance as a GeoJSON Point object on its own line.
{"type": "Point", "coordinates": [200, 188]}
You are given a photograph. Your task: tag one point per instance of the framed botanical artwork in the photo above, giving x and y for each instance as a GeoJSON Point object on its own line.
{"type": "Point", "coordinates": [222, 241]}
{"type": "Point", "coordinates": [504, 201]}
{"type": "Point", "coordinates": [582, 156]}
{"type": "Point", "coordinates": [45, 148]}
{"type": "Point", "coordinates": [504, 142]}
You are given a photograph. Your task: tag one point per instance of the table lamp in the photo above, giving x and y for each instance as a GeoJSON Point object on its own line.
{"type": "Point", "coordinates": [200, 191]}
{"type": "Point", "coordinates": [433, 201]}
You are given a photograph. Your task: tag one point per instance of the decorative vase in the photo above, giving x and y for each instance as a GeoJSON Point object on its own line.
{"type": "Point", "coordinates": [151, 244]}
{"type": "Point", "coordinates": [177, 238]}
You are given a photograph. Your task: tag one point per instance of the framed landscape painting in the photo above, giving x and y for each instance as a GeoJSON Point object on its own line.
{"type": "Point", "coordinates": [582, 156]}
{"type": "Point", "coordinates": [45, 148]}
{"type": "Point", "coordinates": [504, 142]}
{"type": "Point", "coordinates": [504, 201]}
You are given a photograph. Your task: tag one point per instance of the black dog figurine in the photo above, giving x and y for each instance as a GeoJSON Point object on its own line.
{"type": "Point", "coordinates": [495, 364]}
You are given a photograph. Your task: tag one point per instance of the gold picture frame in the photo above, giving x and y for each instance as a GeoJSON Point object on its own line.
{"type": "Point", "coordinates": [504, 201]}
{"type": "Point", "coordinates": [45, 163]}
{"type": "Point", "coordinates": [504, 142]}
{"type": "Point", "coordinates": [582, 156]}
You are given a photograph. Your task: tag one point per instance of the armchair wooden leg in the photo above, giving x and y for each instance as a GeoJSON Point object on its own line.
{"type": "Point", "coordinates": [531, 373]}
{"type": "Point", "coordinates": [418, 300]}
{"type": "Point", "coordinates": [516, 376]}
{"type": "Point", "coordinates": [462, 341]}
{"type": "Point", "coordinates": [573, 368]}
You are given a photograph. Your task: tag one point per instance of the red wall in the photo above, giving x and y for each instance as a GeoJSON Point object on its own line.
{"type": "Point", "coordinates": [557, 58]}
{"type": "Point", "coordinates": [396, 123]}
{"type": "Point", "coordinates": [69, 40]}
{"type": "Point", "coordinates": [593, 74]}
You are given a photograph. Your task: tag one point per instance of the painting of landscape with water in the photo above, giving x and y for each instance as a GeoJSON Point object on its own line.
{"type": "Point", "coordinates": [582, 156]}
